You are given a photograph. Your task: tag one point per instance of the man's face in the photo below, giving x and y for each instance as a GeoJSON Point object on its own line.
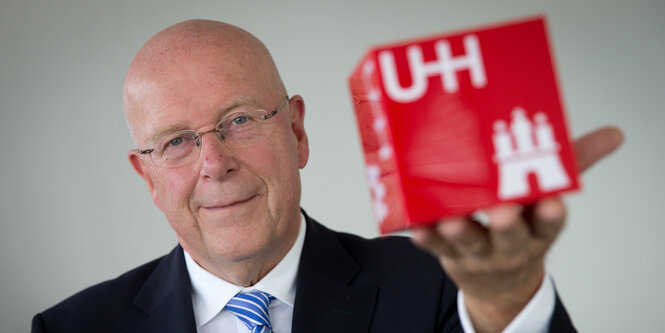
{"type": "Point", "coordinates": [227, 205]}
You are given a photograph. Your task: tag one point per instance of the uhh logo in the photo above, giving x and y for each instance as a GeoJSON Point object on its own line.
{"type": "Point", "coordinates": [445, 65]}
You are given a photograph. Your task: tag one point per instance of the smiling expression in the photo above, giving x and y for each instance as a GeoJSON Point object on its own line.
{"type": "Point", "coordinates": [228, 206]}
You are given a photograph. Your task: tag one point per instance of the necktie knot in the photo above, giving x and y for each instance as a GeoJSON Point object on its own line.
{"type": "Point", "coordinates": [252, 309]}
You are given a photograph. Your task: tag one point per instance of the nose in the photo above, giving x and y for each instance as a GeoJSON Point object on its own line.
{"type": "Point", "coordinates": [217, 158]}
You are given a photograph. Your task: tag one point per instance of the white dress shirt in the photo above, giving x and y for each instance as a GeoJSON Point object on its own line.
{"type": "Point", "coordinates": [534, 318]}
{"type": "Point", "coordinates": [210, 295]}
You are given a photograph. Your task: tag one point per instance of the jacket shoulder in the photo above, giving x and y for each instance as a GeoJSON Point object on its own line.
{"type": "Point", "coordinates": [405, 275]}
{"type": "Point", "coordinates": [389, 250]}
{"type": "Point", "coordinates": [108, 305]}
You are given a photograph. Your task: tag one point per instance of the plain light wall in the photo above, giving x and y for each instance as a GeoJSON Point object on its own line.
{"type": "Point", "coordinates": [73, 213]}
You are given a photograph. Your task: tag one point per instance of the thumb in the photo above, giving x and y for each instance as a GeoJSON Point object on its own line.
{"type": "Point", "coordinates": [594, 146]}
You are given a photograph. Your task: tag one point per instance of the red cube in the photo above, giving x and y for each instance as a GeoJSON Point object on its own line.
{"type": "Point", "coordinates": [458, 122]}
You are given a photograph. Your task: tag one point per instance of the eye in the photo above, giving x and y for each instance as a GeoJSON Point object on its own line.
{"type": "Point", "coordinates": [239, 120]}
{"type": "Point", "coordinates": [177, 141]}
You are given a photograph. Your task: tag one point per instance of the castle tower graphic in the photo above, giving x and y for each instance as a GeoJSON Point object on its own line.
{"type": "Point", "coordinates": [523, 148]}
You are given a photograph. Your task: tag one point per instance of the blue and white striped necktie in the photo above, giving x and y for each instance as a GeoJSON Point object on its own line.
{"type": "Point", "coordinates": [252, 309]}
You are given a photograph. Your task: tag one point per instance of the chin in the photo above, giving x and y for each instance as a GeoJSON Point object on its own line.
{"type": "Point", "coordinates": [240, 247]}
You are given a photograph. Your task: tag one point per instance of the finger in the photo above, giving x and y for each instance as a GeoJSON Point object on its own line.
{"type": "Point", "coordinates": [508, 231]}
{"type": "Point", "coordinates": [426, 238]}
{"type": "Point", "coordinates": [549, 216]}
{"type": "Point", "coordinates": [464, 236]}
{"type": "Point", "coordinates": [595, 145]}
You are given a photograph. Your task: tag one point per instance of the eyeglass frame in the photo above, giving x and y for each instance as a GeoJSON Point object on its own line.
{"type": "Point", "coordinates": [219, 135]}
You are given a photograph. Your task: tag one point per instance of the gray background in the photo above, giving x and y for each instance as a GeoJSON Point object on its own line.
{"type": "Point", "coordinates": [72, 213]}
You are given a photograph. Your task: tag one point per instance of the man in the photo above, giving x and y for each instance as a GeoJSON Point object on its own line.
{"type": "Point", "coordinates": [220, 145]}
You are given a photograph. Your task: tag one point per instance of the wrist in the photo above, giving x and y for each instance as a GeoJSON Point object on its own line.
{"type": "Point", "coordinates": [492, 310]}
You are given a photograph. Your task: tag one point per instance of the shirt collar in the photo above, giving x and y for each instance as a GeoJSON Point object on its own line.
{"type": "Point", "coordinates": [210, 293]}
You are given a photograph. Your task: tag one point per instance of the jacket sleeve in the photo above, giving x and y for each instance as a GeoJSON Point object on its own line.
{"type": "Point", "coordinates": [38, 325]}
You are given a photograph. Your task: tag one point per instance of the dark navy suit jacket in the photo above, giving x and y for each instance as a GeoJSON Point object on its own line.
{"type": "Point", "coordinates": [345, 284]}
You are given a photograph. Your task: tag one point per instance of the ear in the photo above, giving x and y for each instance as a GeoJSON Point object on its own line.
{"type": "Point", "coordinates": [297, 107]}
{"type": "Point", "coordinates": [142, 170]}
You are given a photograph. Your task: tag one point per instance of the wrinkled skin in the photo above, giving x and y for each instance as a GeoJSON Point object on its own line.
{"type": "Point", "coordinates": [235, 212]}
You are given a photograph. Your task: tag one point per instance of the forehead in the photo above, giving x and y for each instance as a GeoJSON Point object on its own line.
{"type": "Point", "coordinates": [182, 75]}
{"type": "Point", "coordinates": [193, 93]}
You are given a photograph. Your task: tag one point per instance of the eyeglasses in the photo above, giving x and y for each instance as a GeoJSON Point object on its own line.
{"type": "Point", "coordinates": [237, 130]}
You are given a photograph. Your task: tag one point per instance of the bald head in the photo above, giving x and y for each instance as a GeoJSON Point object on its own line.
{"type": "Point", "coordinates": [199, 52]}
{"type": "Point", "coordinates": [236, 205]}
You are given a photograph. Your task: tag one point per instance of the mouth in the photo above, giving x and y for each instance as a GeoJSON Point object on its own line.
{"type": "Point", "coordinates": [230, 205]}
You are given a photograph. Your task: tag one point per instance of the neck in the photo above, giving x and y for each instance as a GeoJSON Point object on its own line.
{"type": "Point", "coordinates": [248, 271]}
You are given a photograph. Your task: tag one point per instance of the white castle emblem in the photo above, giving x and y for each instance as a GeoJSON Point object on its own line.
{"type": "Point", "coordinates": [517, 155]}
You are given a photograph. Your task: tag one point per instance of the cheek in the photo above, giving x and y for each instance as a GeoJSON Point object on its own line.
{"type": "Point", "coordinates": [278, 163]}
{"type": "Point", "coordinates": [174, 188]}
{"type": "Point", "coordinates": [275, 154]}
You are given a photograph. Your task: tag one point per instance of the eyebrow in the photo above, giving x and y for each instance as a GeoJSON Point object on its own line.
{"type": "Point", "coordinates": [237, 102]}
{"type": "Point", "coordinates": [241, 101]}
{"type": "Point", "coordinates": [165, 130]}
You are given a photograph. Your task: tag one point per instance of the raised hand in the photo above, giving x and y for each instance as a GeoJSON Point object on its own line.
{"type": "Point", "coordinates": [500, 266]}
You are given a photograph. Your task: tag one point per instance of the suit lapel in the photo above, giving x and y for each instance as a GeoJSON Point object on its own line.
{"type": "Point", "coordinates": [325, 299]}
{"type": "Point", "coordinates": [166, 298]}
